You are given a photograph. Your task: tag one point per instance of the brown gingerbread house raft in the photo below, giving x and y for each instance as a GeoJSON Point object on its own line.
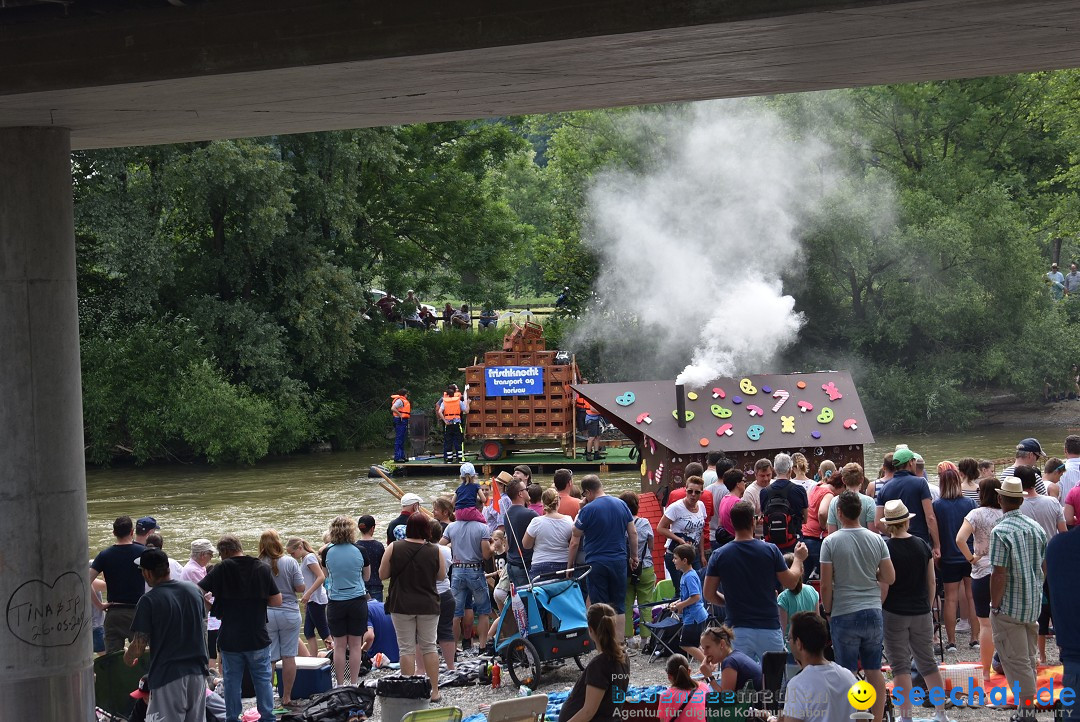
{"type": "Point", "coordinates": [747, 418]}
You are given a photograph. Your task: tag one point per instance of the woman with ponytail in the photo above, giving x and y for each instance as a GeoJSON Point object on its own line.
{"type": "Point", "coordinates": [593, 695]}
{"type": "Point", "coordinates": [685, 699]}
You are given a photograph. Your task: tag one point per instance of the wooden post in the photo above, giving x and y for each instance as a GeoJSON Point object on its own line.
{"type": "Point", "coordinates": [573, 408]}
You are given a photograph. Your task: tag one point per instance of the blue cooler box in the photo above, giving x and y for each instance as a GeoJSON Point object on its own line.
{"type": "Point", "coordinates": [312, 677]}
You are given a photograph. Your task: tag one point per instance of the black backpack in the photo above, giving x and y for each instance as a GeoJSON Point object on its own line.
{"type": "Point", "coordinates": [338, 705]}
{"type": "Point", "coordinates": [779, 518]}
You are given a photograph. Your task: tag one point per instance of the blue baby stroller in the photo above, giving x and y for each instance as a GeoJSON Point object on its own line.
{"type": "Point", "coordinates": [552, 611]}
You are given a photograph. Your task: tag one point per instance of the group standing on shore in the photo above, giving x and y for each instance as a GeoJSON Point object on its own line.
{"type": "Point", "coordinates": [996, 544]}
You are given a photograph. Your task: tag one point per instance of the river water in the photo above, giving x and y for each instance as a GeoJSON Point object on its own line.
{"type": "Point", "coordinates": [299, 495]}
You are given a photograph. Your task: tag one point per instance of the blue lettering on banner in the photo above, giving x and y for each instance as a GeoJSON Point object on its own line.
{"type": "Point", "coordinates": [513, 380]}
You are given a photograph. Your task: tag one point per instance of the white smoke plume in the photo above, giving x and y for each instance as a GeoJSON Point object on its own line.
{"type": "Point", "coordinates": [692, 251]}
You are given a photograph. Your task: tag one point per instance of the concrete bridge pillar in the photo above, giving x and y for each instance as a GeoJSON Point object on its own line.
{"type": "Point", "coordinates": [45, 642]}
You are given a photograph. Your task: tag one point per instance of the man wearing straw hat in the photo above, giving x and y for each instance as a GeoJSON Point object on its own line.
{"type": "Point", "coordinates": [1017, 556]}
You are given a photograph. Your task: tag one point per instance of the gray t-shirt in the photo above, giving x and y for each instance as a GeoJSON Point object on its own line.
{"type": "Point", "coordinates": [1046, 510]}
{"type": "Point", "coordinates": [644, 540]}
{"type": "Point", "coordinates": [287, 579]}
{"type": "Point", "coordinates": [466, 541]}
{"type": "Point", "coordinates": [855, 555]}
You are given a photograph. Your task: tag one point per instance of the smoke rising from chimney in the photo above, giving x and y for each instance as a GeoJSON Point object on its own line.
{"type": "Point", "coordinates": [692, 251]}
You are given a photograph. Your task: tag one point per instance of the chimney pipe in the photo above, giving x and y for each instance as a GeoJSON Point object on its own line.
{"type": "Point", "coordinates": [680, 405]}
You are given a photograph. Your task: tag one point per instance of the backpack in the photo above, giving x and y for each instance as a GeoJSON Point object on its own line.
{"type": "Point", "coordinates": [779, 518]}
{"type": "Point", "coordinates": [338, 705]}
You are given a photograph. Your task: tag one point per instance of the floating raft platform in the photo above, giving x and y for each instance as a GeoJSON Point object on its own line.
{"type": "Point", "coordinates": [541, 462]}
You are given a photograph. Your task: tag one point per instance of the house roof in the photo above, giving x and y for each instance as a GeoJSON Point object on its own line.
{"type": "Point", "coordinates": [656, 400]}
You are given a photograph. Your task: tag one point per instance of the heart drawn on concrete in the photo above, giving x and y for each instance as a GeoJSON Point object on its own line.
{"type": "Point", "coordinates": [49, 615]}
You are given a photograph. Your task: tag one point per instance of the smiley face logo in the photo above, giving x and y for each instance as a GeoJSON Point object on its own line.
{"type": "Point", "coordinates": [862, 695]}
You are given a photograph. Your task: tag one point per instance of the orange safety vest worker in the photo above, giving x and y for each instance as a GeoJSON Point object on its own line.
{"type": "Point", "coordinates": [451, 408]}
{"type": "Point", "coordinates": [406, 408]}
{"type": "Point", "coordinates": [581, 402]}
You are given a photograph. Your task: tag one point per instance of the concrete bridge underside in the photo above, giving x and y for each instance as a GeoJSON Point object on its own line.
{"type": "Point", "coordinates": [101, 73]}
{"type": "Point", "coordinates": [230, 68]}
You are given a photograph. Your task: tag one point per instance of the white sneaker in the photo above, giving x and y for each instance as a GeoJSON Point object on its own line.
{"type": "Point", "coordinates": [963, 625]}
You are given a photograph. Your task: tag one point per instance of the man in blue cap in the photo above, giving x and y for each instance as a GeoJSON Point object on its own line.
{"type": "Point", "coordinates": [1028, 453]}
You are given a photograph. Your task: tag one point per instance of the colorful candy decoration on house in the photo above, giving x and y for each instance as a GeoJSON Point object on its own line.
{"type": "Point", "coordinates": [720, 412]}
{"type": "Point", "coordinates": [747, 387]}
{"type": "Point", "coordinates": [703, 441]}
{"type": "Point", "coordinates": [832, 391]}
{"type": "Point", "coordinates": [805, 406]}
{"type": "Point", "coordinates": [783, 396]}
{"type": "Point", "coordinates": [718, 393]}
{"type": "Point", "coordinates": [816, 435]}
{"type": "Point", "coordinates": [787, 424]}
{"type": "Point", "coordinates": [626, 399]}
{"type": "Point", "coordinates": [652, 447]}
{"type": "Point", "coordinates": [801, 385]}
{"type": "Point", "coordinates": [825, 416]}
{"type": "Point", "coordinates": [689, 415]}
{"type": "Point", "coordinates": [754, 432]}
{"type": "Point", "coordinates": [736, 399]}
{"type": "Point", "coordinates": [725, 430]}
{"type": "Point", "coordinates": [851, 424]}
{"type": "Point", "coordinates": [692, 396]}
{"type": "Point", "coordinates": [659, 476]}
{"type": "Point", "coordinates": [755, 410]}
{"type": "Point", "coordinates": [766, 389]}
{"type": "Point", "coordinates": [644, 418]}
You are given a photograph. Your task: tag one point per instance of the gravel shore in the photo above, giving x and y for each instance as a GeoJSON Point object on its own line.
{"type": "Point", "coordinates": [475, 698]}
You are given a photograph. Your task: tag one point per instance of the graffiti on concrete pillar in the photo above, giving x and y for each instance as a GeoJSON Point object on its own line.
{"type": "Point", "coordinates": [49, 615]}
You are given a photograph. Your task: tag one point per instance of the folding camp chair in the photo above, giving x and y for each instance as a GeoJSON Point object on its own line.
{"type": "Point", "coordinates": [114, 682]}
{"type": "Point", "coordinates": [665, 635]}
{"type": "Point", "coordinates": [435, 714]}
{"type": "Point", "coordinates": [520, 709]}
{"type": "Point", "coordinates": [773, 667]}
{"type": "Point", "coordinates": [665, 589]}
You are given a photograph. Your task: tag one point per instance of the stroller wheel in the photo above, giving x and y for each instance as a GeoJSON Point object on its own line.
{"type": "Point", "coordinates": [579, 663]}
{"type": "Point", "coordinates": [523, 663]}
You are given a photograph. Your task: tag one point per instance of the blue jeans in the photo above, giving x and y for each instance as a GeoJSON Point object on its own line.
{"type": "Point", "coordinates": [1070, 680]}
{"type": "Point", "coordinates": [813, 556]}
{"type": "Point", "coordinates": [401, 430]}
{"type": "Point", "coordinates": [462, 583]}
{"type": "Point", "coordinates": [674, 574]}
{"type": "Point", "coordinates": [754, 643]}
{"type": "Point", "coordinates": [257, 663]}
{"type": "Point", "coordinates": [857, 637]}
{"type": "Point", "coordinates": [517, 575]}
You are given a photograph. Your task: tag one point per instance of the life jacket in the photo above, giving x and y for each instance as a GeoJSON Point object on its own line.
{"type": "Point", "coordinates": [451, 408]}
{"type": "Point", "coordinates": [590, 409]}
{"type": "Point", "coordinates": [581, 402]}
{"type": "Point", "coordinates": [406, 408]}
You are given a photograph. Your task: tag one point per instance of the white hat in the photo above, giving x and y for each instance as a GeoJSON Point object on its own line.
{"type": "Point", "coordinates": [896, 512]}
{"type": "Point", "coordinates": [1012, 486]}
{"type": "Point", "coordinates": [467, 469]}
{"type": "Point", "coordinates": [410, 499]}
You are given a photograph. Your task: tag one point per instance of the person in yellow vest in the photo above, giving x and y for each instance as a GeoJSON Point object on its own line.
{"type": "Point", "coordinates": [450, 411]}
{"type": "Point", "coordinates": [401, 408]}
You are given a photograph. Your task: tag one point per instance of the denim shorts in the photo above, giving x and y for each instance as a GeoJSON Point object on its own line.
{"type": "Point", "coordinates": [284, 630]}
{"type": "Point", "coordinates": [607, 584]}
{"type": "Point", "coordinates": [467, 580]}
{"type": "Point", "coordinates": [857, 637]}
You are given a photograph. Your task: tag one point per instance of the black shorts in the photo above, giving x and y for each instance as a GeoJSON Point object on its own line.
{"type": "Point", "coordinates": [592, 428]}
{"type": "Point", "coordinates": [347, 618]}
{"type": "Point", "coordinates": [952, 572]}
{"type": "Point", "coordinates": [445, 630]}
{"type": "Point", "coordinates": [690, 636]}
{"type": "Point", "coordinates": [211, 643]}
{"type": "Point", "coordinates": [980, 594]}
{"type": "Point", "coordinates": [315, 621]}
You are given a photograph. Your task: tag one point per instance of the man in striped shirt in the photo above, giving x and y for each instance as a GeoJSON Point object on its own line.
{"type": "Point", "coordinates": [1028, 453]}
{"type": "Point", "coordinates": [1017, 555]}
